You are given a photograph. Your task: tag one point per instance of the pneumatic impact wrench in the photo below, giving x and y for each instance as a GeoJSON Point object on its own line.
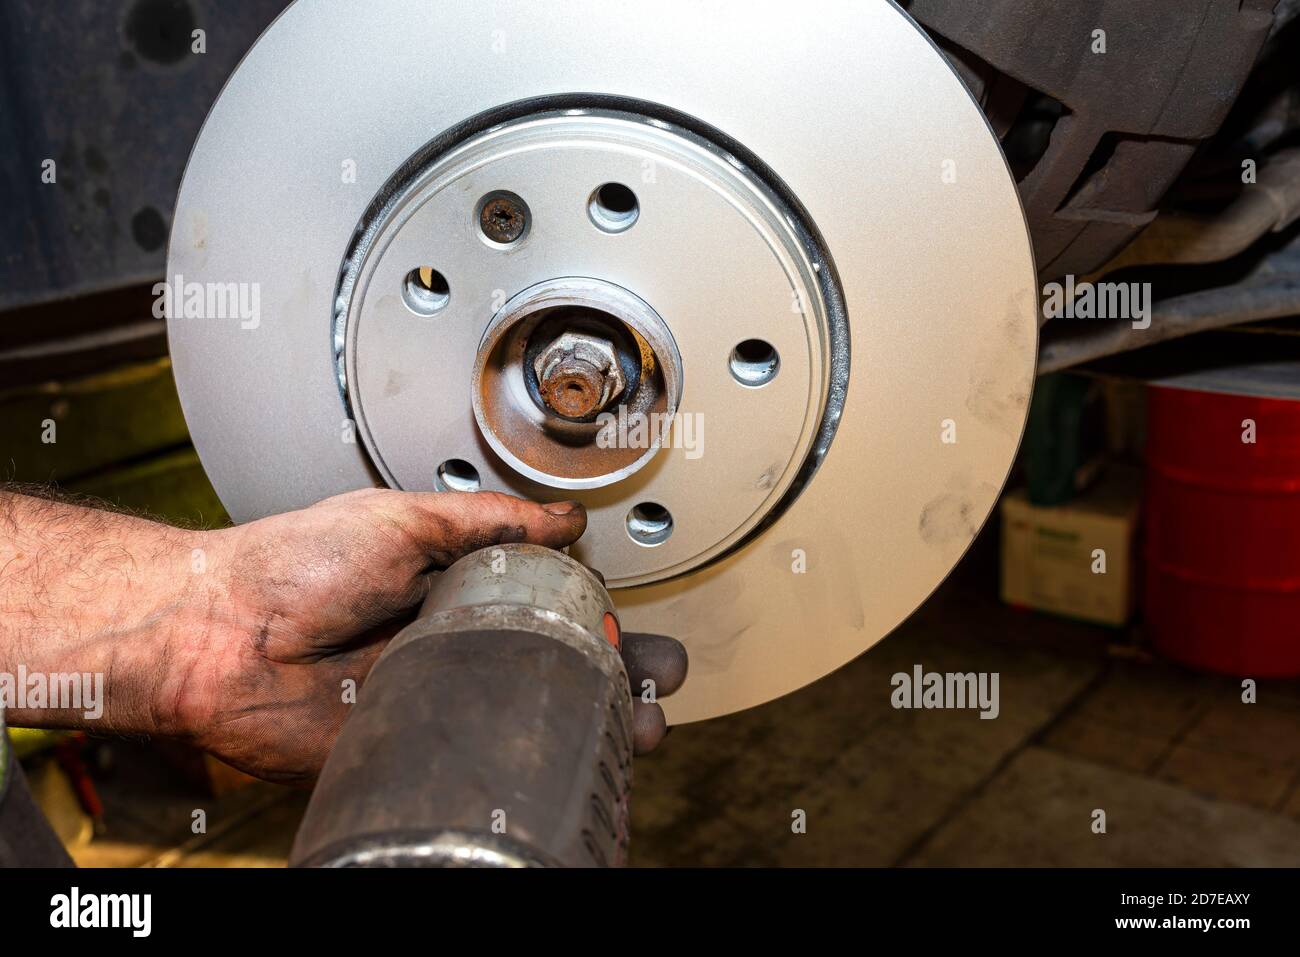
{"type": "Point", "coordinates": [495, 730]}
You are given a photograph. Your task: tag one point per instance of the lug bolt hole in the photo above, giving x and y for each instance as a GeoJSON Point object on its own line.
{"type": "Point", "coordinates": [649, 524]}
{"type": "Point", "coordinates": [426, 291]}
{"type": "Point", "coordinates": [754, 363]}
{"type": "Point", "coordinates": [457, 475]}
{"type": "Point", "coordinates": [613, 208]}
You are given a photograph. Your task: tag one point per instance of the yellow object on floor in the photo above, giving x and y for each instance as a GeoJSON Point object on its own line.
{"type": "Point", "coordinates": [29, 741]}
{"type": "Point", "coordinates": [1075, 559]}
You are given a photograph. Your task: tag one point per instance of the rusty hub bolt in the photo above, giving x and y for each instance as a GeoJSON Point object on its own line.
{"type": "Point", "coordinates": [578, 374]}
{"type": "Point", "coordinates": [503, 219]}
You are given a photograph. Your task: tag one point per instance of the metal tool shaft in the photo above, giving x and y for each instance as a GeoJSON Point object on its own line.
{"type": "Point", "coordinates": [495, 730]}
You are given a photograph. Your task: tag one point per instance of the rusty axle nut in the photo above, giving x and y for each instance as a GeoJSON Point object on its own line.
{"type": "Point", "coordinates": [578, 374]}
{"type": "Point", "coordinates": [574, 388]}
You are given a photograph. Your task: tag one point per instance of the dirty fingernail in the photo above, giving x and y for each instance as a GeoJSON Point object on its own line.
{"type": "Point", "coordinates": [560, 508]}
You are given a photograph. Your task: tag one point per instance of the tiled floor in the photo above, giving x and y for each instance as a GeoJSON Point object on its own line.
{"type": "Point", "coordinates": [1186, 773]}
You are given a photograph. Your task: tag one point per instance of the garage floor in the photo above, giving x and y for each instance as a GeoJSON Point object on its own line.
{"type": "Point", "coordinates": [1185, 772]}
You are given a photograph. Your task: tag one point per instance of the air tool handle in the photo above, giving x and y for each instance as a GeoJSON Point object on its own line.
{"type": "Point", "coordinates": [495, 730]}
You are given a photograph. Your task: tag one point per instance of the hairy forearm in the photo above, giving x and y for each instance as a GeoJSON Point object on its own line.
{"type": "Point", "coordinates": [251, 642]}
{"type": "Point", "coordinates": [113, 602]}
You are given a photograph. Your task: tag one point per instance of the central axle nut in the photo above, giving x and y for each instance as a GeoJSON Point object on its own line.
{"type": "Point", "coordinates": [578, 374]}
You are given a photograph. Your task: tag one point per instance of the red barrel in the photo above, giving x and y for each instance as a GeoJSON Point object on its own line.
{"type": "Point", "coordinates": [1223, 532]}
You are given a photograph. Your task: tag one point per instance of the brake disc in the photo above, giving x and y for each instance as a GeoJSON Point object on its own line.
{"type": "Point", "coordinates": [751, 281]}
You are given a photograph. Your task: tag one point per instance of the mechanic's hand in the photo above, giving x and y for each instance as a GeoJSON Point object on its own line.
{"type": "Point", "coordinates": [307, 600]}
{"type": "Point", "coordinates": [656, 667]}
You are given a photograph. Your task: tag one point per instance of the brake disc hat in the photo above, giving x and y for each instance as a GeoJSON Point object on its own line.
{"type": "Point", "coordinates": [473, 233]}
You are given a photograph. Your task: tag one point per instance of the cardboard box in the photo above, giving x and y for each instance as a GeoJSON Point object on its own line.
{"type": "Point", "coordinates": [1052, 556]}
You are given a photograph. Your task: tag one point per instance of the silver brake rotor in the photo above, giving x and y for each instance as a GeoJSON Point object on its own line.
{"type": "Point", "coordinates": [492, 240]}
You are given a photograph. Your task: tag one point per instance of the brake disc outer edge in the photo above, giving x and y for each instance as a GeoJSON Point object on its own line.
{"type": "Point", "coordinates": [938, 276]}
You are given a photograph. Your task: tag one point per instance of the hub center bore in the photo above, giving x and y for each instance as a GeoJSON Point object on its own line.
{"type": "Point", "coordinates": [557, 357]}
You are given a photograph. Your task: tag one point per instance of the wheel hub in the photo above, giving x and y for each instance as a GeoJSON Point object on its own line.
{"type": "Point", "coordinates": [637, 235]}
